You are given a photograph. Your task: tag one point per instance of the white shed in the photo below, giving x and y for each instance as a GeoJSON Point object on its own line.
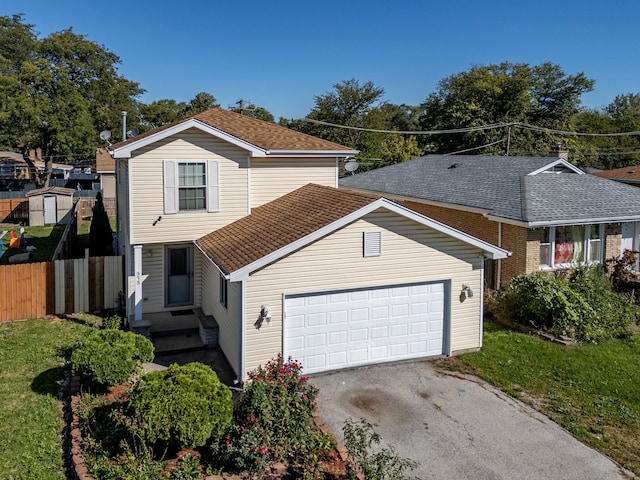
{"type": "Point", "coordinates": [50, 205]}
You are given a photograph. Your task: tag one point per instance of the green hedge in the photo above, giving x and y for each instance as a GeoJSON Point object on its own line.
{"type": "Point", "coordinates": [183, 406]}
{"type": "Point", "coordinates": [110, 357]}
{"type": "Point", "coordinates": [582, 306]}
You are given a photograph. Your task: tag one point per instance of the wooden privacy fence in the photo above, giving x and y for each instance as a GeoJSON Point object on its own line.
{"type": "Point", "coordinates": [14, 210]}
{"type": "Point", "coordinates": [35, 290]}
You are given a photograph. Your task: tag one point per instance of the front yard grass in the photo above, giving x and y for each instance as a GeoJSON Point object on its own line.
{"type": "Point", "coordinates": [31, 417]}
{"type": "Point", "coordinates": [593, 390]}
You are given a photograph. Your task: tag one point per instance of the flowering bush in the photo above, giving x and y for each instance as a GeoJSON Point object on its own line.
{"type": "Point", "coordinates": [274, 419]}
{"type": "Point", "coordinates": [244, 450]}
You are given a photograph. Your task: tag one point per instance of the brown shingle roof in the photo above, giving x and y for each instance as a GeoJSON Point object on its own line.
{"type": "Point", "coordinates": [279, 223]}
{"type": "Point", "coordinates": [104, 161]}
{"type": "Point", "coordinates": [264, 135]}
{"type": "Point", "coordinates": [631, 174]}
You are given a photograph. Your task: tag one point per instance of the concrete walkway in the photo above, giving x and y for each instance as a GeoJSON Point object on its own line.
{"type": "Point", "coordinates": [457, 427]}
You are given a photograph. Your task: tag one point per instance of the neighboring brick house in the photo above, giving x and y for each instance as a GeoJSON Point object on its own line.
{"type": "Point", "coordinates": [547, 212]}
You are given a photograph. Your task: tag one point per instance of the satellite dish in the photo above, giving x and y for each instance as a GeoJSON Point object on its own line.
{"type": "Point", "coordinates": [105, 135]}
{"type": "Point", "coordinates": [351, 166]}
{"type": "Point", "coordinates": [133, 132]}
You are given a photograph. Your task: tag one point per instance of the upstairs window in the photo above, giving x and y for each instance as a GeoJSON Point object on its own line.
{"type": "Point", "coordinates": [191, 186]}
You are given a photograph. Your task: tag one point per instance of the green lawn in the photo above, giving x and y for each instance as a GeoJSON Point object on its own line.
{"type": "Point", "coordinates": [593, 390]}
{"type": "Point", "coordinates": [45, 239]}
{"type": "Point", "coordinates": [31, 420]}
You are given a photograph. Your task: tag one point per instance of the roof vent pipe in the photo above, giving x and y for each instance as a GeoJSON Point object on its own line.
{"type": "Point", "coordinates": [124, 125]}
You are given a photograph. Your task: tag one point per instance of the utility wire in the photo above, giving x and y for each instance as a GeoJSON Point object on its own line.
{"type": "Point", "coordinates": [476, 148]}
{"type": "Point", "coordinates": [474, 129]}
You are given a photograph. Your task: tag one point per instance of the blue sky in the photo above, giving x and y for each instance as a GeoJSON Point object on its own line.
{"type": "Point", "coordinates": [279, 54]}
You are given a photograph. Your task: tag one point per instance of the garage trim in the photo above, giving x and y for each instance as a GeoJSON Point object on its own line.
{"type": "Point", "coordinates": [446, 283]}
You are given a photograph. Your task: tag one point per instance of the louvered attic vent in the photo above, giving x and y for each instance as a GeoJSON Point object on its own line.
{"type": "Point", "coordinates": [372, 244]}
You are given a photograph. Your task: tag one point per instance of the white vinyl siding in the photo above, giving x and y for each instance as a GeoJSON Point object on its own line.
{"type": "Point", "coordinates": [412, 253]}
{"type": "Point", "coordinates": [147, 192]}
{"type": "Point", "coordinates": [273, 177]}
{"type": "Point", "coordinates": [153, 284]}
{"type": "Point", "coordinates": [228, 319]}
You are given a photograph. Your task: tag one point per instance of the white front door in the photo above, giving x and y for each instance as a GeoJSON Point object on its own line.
{"type": "Point", "coordinates": [179, 268]}
{"type": "Point", "coordinates": [347, 328]}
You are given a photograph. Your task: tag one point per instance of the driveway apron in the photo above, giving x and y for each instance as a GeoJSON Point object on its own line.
{"type": "Point", "coordinates": [457, 426]}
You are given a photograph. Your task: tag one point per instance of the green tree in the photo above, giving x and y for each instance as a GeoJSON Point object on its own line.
{"type": "Point", "coordinates": [100, 233]}
{"type": "Point", "coordinates": [159, 112]}
{"type": "Point", "coordinates": [542, 95]}
{"type": "Point", "coordinates": [201, 102]}
{"type": "Point", "coordinates": [361, 106]}
{"type": "Point", "coordinates": [621, 115]}
{"type": "Point", "coordinates": [57, 94]}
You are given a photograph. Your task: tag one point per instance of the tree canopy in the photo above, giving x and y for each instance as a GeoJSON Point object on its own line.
{"type": "Point", "coordinates": [58, 93]}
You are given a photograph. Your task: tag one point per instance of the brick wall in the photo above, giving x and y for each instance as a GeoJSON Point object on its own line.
{"type": "Point", "coordinates": [515, 239]}
{"type": "Point", "coordinates": [612, 240]}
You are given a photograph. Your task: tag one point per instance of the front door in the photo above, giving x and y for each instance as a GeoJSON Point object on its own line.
{"type": "Point", "coordinates": [179, 284]}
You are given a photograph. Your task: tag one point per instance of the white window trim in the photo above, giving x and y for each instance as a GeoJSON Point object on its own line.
{"type": "Point", "coordinates": [586, 248]}
{"type": "Point", "coordinates": [172, 188]}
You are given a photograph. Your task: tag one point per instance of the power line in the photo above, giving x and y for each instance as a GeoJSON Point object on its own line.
{"type": "Point", "coordinates": [474, 129]}
{"type": "Point", "coordinates": [477, 148]}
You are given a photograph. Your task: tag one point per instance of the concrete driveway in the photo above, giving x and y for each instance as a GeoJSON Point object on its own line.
{"type": "Point", "coordinates": [457, 427]}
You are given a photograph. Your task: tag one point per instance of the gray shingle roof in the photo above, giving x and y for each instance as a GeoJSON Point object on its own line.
{"type": "Point", "coordinates": [503, 188]}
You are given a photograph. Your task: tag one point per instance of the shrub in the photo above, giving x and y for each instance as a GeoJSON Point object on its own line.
{"type": "Point", "coordinates": [385, 464]}
{"type": "Point", "coordinates": [100, 233]}
{"type": "Point", "coordinates": [181, 407]}
{"type": "Point", "coordinates": [279, 399]}
{"type": "Point", "coordinates": [112, 322]}
{"type": "Point", "coordinates": [581, 306]}
{"type": "Point", "coordinates": [110, 357]}
{"type": "Point", "coordinates": [274, 420]}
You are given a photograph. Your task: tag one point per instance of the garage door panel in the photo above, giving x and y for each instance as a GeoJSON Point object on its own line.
{"type": "Point", "coordinates": [358, 335]}
{"type": "Point", "coordinates": [359, 327]}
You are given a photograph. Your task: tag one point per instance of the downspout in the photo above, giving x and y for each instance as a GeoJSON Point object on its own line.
{"type": "Point", "coordinates": [249, 184]}
{"type": "Point", "coordinates": [499, 272]}
{"type": "Point", "coordinates": [241, 336]}
{"type": "Point", "coordinates": [482, 259]}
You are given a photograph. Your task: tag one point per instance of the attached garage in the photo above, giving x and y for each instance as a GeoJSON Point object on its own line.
{"type": "Point", "coordinates": [336, 279]}
{"type": "Point", "coordinates": [349, 328]}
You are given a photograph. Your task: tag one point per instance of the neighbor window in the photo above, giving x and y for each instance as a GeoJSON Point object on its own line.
{"type": "Point", "coordinates": [190, 186]}
{"type": "Point", "coordinates": [570, 245]}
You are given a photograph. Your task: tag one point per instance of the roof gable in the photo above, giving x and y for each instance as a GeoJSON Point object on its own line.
{"type": "Point", "coordinates": [288, 223]}
{"type": "Point", "coordinates": [258, 137]}
{"type": "Point", "coordinates": [522, 190]}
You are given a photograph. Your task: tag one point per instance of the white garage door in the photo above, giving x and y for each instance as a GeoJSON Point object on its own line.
{"type": "Point", "coordinates": [347, 328]}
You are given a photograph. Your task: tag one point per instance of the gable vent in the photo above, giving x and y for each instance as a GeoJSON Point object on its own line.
{"type": "Point", "coordinates": [372, 244]}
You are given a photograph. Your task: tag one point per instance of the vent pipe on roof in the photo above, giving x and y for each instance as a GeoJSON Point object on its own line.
{"type": "Point", "coordinates": [124, 125]}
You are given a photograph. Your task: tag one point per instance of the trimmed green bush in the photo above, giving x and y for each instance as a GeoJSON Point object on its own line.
{"type": "Point", "coordinates": [110, 357]}
{"type": "Point", "coordinates": [582, 306]}
{"type": "Point", "coordinates": [181, 407]}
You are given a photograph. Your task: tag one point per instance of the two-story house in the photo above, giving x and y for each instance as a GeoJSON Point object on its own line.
{"type": "Point", "coordinates": [242, 220]}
